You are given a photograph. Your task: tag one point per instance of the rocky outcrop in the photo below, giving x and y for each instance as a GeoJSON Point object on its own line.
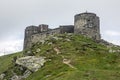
{"type": "Point", "coordinates": [15, 77]}
{"type": "Point", "coordinates": [21, 77]}
{"type": "Point", "coordinates": [2, 76]}
{"type": "Point", "coordinates": [23, 67]}
{"type": "Point", "coordinates": [31, 62]}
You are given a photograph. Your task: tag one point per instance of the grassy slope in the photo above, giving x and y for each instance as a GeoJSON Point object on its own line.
{"type": "Point", "coordinates": [6, 61]}
{"type": "Point", "coordinates": [91, 61]}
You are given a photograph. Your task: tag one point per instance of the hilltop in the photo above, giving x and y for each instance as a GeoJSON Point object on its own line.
{"type": "Point", "coordinates": [87, 24]}
{"type": "Point", "coordinates": [64, 57]}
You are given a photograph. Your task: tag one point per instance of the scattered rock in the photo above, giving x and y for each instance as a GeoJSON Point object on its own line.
{"type": "Point", "coordinates": [26, 74]}
{"type": "Point", "coordinates": [31, 62]}
{"type": "Point", "coordinates": [49, 59]}
{"type": "Point", "coordinates": [38, 50]}
{"type": "Point", "coordinates": [15, 77]}
{"type": "Point", "coordinates": [50, 43]}
{"type": "Point", "coordinates": [56, 38]}
{"type": "Point", "coordinates": [69, 34]}
{"type": "Point", "coordinates": [28, 52]}
{"type": "Point", "coordinates": [42, 41]}
{"type": "Point", "coordinates": [68, 40]}
{"type": "Point", "coordinates": [48, 76]}
{"type": "Point", "coordinates": [113, 51]}
{"type": "Point", "coordinates": [2, 76]}
{"type": "Point", "coordinates": [21, 77]}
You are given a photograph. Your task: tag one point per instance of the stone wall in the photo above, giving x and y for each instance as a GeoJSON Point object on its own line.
{"type": "Point", "coordinates": [43, 27]}
{"type": "Point", "coordinates": [67, 29]}
{"type": "Point", "coordinates": [32, 30]}
{"type": "Point", "coordinates": [41, 36]}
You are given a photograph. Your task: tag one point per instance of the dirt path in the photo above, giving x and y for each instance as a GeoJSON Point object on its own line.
{"type": "Point", "coordinates": [67, 62]}
{"type": "Point", "coordinates": [57, 50]}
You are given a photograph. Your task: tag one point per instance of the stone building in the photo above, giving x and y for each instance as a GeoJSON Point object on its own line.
{"type": "Point", "coordinates": [34, 34]}
{"type": "Point", "coordinates": [84, 23]}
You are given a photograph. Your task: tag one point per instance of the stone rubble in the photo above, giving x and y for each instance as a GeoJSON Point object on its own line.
{"type": "Point", "coordinates": [21, 77]}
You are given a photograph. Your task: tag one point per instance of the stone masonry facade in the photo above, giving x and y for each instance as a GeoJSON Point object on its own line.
{"type": "Point", "coordinates": [85, 23]}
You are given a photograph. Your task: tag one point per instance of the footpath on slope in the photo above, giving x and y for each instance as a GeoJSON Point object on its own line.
{"type": "Point", "coordinates": [65, 61]}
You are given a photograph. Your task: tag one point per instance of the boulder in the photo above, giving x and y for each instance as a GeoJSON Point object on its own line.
{"type": "Point", "coordinates": [21, 77]}
{"type": "Point", "coordinates": [31, 62]}
{"type": "Point", "coordinates": [68, 40]}
{"type": "Point", "coordinates": [56, 38]}
{"type": "Point", "coordinates": [50, 43]}
{"type": "Point", "coordinates": [42, 41]}
{"type": "Point", "coordinates": [26, 74]}
{"type": "Point", "coordinates": [2, 76]}
{"type": "Point", "coordinates": [15, 77]}
{"type": "Point", "coordinates": [38, 50]}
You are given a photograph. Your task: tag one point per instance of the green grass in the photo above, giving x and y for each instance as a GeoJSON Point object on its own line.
{"type": "Point", "coordinates": [7, 61]}
{"type": "Point", "coordinates": [91, 60]}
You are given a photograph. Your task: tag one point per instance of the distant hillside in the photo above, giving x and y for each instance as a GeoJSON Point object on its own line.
{"type": "Point", "coordinates": [68, 57]}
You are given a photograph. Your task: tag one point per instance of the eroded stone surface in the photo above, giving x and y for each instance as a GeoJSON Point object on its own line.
{"type": "Point", "coordinates": [31, 62]}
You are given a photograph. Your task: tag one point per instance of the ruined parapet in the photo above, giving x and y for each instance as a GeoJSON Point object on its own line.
{"type": "Point", "coordinates": [87, 24]}
{"type": "Point", "coordinates": [43, 27]}
{"type": "Point", "coordinates": [66, 29]}
{"type": "Point", "coordinates": [31, 30]}
{"type": "Point", "coordinates": [41, 36]}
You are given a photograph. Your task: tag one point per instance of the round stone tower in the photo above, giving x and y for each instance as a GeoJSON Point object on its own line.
{"type": "Point", "coordinates": [87, 24]}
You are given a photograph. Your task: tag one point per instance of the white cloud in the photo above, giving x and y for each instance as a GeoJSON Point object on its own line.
{"type": "Point", "coordinates": [117, 42]}
{"type": "Point", "coordinates": [11, 46]}
{"type": "Point", "coordinates": [112, 33]}
{"type": "Point", "coordinates": [112, 36]}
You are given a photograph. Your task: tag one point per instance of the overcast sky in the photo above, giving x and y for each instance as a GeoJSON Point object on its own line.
{"type": "Point", "coordinates": [16, 15]}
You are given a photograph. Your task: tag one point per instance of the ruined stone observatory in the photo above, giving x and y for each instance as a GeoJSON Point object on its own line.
{"type": "Point", "coordinates": [87, 24]}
